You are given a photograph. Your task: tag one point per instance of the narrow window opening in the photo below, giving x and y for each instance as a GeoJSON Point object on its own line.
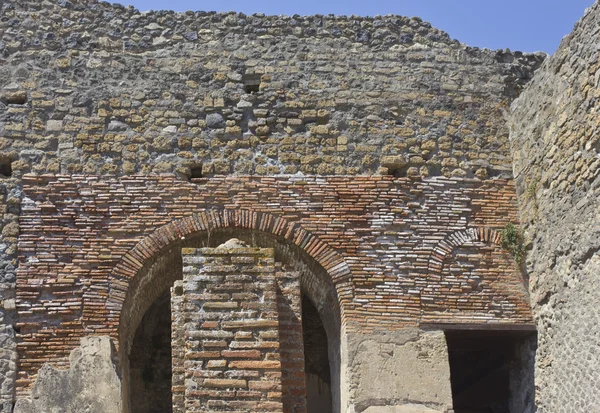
{"type": "Point", "coordinates": [252, 88]}
{"type": "Point", "coordinates": [435, 170]}
{"type": "Point", "coordinates": [251, 83]}
{"type": "Point", "coordinates": [482, 370]}
{"type": "Point", "coordinates": [316, 360]}
{"type": "Point", "coordinates": [493, 173]}
{"type": "Point", "coordinates": [399, 172]}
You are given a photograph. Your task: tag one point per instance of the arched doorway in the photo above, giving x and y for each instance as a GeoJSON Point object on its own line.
{"type": "Point", "coordinates": [150, 360]}
{"type": "Point", "coordinates": [316, 360]}
{"type": "Point", "coordinates": [294, 266]}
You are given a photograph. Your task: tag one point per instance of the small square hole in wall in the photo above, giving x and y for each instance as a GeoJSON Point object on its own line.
{"type": "Point", "coordinates": [251, 83]}
{"type": "Point", "coordinates": [196, 172]}
{"type": "Point", "coordinates": [399, 172]}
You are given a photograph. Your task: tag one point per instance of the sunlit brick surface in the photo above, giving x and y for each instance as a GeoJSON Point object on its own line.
{"type": "Point", "coordinates": [388, 245]}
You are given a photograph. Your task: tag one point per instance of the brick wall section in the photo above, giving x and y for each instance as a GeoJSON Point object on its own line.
{"type": "Point", "coordinates": [291, 339]}
{"type": "Point", "coordinates": [84, 238]}
{"type": "Point", "coordinates": [232, 359]}
{"type": "Point", "coordinates": [466, 274]}
{"type": "Point", "coordinates": [90, 87]}
{"type": "Point", "coordinates": [178, 347]}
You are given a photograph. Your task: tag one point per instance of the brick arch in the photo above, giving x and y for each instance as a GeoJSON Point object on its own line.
{"type": "Point", "coordinates": [455, 240]}
{"type": "Point", "coordinates": [134, 261]}
{"type": "Point", "coordinates": [483, 283]}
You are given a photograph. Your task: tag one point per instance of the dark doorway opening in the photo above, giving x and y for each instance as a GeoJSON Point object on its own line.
{"type": "Point", "coordinates": [491, 371]}
{"type": "Point", "coordinates": [316, 360]}
{"type": "Point", "coordinates": [150, 361]}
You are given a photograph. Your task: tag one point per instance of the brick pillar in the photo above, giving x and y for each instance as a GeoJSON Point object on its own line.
{"type": "Point", "coordinates": [232, 358]}
{"type": "Point", "coordinates": [291, 339]}
{"type": "Point", "coordinates": [177, 348]}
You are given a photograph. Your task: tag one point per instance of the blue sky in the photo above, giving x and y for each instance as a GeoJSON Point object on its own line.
{"type": "Point", "coordinates": [526, 25]}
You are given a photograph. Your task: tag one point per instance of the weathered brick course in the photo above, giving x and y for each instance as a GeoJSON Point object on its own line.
{"type": "Point", "coordinates": [381, 240]}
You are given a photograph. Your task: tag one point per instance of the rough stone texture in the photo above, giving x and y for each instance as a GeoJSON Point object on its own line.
{"type": "Point", "coordinates": [556, 147]}
{"type": "Point", "coordinates": [98, 88]}
{"type": "Point", "coordinates": [8, 367]}
{"type": "Point", "coordinates": [90, 385]}
{"type": "Point", "coordinates": [401, 372]}
{"type": "Point", "coordinates": [10, 207]}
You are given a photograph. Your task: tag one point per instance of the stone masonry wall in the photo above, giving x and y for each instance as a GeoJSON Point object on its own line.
{"type": "Point", "coordinates": [10, 208]}
{"type": "Point", "coordinates": [382, 241]}
{"type": "Point", "coordinates": [97, 88]}
{"type": "Point", "coordinates": [555, 137]}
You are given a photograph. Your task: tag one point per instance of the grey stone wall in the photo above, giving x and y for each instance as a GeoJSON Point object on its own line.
{"type": "Point", "coordinates": [93, 87]}
{"type": "Point", "coordinates": [556, 146]}
{"type": "Point", "coordinates": [10, 201]}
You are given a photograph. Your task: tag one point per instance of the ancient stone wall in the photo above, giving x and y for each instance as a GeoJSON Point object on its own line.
{"type": "Point", "coordinates": [556, 147]}
{"type": "Point", "coordinates": [98, 88]}
{"type": "Point", "coordinates": [96, 100]}
{"type": "Point", "coordinates": [91, 384]}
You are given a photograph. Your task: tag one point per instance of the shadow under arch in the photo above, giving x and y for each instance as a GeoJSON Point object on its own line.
{"type": "Point", "coordinates": [150, 268]}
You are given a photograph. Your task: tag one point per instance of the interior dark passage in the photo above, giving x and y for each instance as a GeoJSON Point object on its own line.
{"type": "Point", "coordinates": [150, 361]}
{"type": "Point", "coordinates": [491, 371]}
{"type": "Point", "coordinates": [316, 360]}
